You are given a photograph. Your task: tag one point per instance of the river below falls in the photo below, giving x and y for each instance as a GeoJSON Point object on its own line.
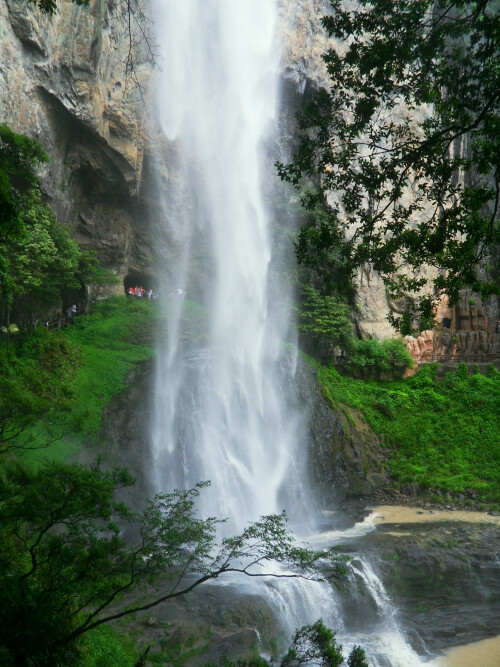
{"type": "Point", "coordinates": [441, 572]}
{"type": "Point", "coordinates": [423, 589]}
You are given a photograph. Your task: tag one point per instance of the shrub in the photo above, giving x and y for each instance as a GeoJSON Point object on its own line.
{"type": "Point", "coordinates": [373, 356]}
{"type": "Point", "coordinates": [326, 319]}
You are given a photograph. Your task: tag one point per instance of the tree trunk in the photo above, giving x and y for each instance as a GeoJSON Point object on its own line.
{"type": "Point", "coordinates": [8, 327]}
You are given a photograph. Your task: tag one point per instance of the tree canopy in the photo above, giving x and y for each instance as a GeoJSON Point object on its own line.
{"type": "Point", "coordinates": [20, 157]}
{"type": "Point", "coordinates": [402, 151]}
{"type": "Point", "coordinates": [38, 256]}
{"type": "Point", "coordinates": [65, 568]}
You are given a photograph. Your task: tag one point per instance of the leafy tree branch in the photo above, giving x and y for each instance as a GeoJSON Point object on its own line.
{"type": "Point", "coordinates": [65, 569]}
{"type": "Point", "coordinates": [402, 151]}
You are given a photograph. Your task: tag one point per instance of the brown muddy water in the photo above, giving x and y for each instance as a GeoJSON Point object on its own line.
{"type": "Point", "coordinates": [485, 653]}
{"type": "Point", "coordinates": [388, 514]}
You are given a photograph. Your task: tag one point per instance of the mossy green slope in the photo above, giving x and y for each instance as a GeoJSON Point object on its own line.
{"type": "Point", "coordinates": [443, 434]}
{"type": "Point", "coordinates": [64, 378]}
{"type": "Point", "coordinates": [117, 336]}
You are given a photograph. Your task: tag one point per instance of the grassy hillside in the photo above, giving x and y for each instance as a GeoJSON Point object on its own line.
{"type": "Point", "coordinates": [55, 384]}
{"type": "Point", "coordinates": [117, 336]}
{"type": "Point", "coordinates": [441, 434]}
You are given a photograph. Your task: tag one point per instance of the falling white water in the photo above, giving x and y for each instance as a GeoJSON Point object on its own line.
{"type": "Point", "coordinates": [220, 404]}
{"type": "Point", "coordinates": [220, 410]}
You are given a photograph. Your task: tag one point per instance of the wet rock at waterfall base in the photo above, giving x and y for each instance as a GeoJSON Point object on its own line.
{"type": "Point", "coordinates": [210, 623]}
{"type": "Point", "coordinates": [346, 460]}
{"type": "Point", "coordinates": [443, 578]}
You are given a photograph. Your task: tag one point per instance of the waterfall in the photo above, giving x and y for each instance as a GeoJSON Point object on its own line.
{"type": "Point", "coordinates": [221, 404]}
{"type": "Point", "coordinates": [220, 411]}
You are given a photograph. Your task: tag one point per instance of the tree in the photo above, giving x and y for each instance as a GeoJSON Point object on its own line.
{"type": "Point", "coordinates": [65, 569]}
{"type": "Point", "coordinates": [326, 318]}
{"type": "Point", "coordinates": [373, 356]}
{"type": "Point", "coordinates": [311, 645]}
{"type": "Point", "coordinates": [403, 150]}
{"type": "Point", "coordinates": [20, 157]}
{"type": "Point", "coordinates": [93, 274]}
{"type": "Point", "coordinates": [36, 393]}
{"type": "Point", "coordinates": [315, 644]}
{"type": "Point", "coordinates": [38, 257]}
{"type": "Point", "coordinates": [45, 261]}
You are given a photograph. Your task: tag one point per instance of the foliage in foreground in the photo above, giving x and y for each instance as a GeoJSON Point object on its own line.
{"type": "Point", "coordinates": [311, 645]}
{"type": "Point", "coordinates": [441, 434]}
{"type": "Point", "coordinates": [65, 569]}
{"type": "Point", "coordinates": [404, 145]}
{"type": "Point", "coordinates": [36, 390]}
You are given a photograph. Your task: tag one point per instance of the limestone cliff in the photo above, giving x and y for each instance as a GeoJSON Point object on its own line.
{"type": "Point", "coordinates": [62, 81]}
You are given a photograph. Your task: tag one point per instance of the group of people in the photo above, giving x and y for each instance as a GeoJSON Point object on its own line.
{"type": "Point", "coordinates": [59, 320]}
{"type": "Point", "coordinates": [142, 293]}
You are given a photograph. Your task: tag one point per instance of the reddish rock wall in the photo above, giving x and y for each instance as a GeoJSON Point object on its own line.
{"type": "Point", "coordinates": [464, 333]}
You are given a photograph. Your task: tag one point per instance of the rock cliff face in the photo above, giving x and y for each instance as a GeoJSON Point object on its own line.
{"type": "Point", "coordinates": [443, 578]}
{"type": "Point", "coordinates": [346, 459]}
{"type": "Point", "coordinates": [464, 333]}
{"type": "Point", "coordinates": [62, 81]}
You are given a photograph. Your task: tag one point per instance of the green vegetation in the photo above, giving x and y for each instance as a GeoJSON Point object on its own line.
{"type": "Point", "coordinates": [371, 357]}
{"type": "Point", "coordinates": [55, 384]}
{"type": "Point", "coordinates": [326, 318]}
{"type": "Point", "coordinates": [409, 81]}
{"type": "Point", "coordinates": [107, 647]}
{"type": "Point", "coordinates": [65, 569]}
{"type": "Point", "coordinates": [316, 644]}
{"type": "Point", "coordinates": [19, 158]}
{"type": "Point", "coordinates": [442, 434]}
{"type": "Point", "coordinates": [312, 644]}
{"type": "Point", "coordinates": [39, 259]}
{"type": "Point", "coordinates": [112, 340]}
{"type": "Point", "coordinates": [37, 374]}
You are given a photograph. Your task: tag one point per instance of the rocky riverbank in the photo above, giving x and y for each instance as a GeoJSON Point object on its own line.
{"type": "Point", "coordinates": [441, 570]}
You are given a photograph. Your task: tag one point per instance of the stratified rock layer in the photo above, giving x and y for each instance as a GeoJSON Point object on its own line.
{"type": "Point", "coordinates": [464, 334]}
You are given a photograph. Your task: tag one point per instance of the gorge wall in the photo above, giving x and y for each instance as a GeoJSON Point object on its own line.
{"type": "Point", "coordinates": [63, 81]}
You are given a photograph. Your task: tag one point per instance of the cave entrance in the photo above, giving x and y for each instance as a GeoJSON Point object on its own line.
{"type": "Point", "coordinates": [138, 279]}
